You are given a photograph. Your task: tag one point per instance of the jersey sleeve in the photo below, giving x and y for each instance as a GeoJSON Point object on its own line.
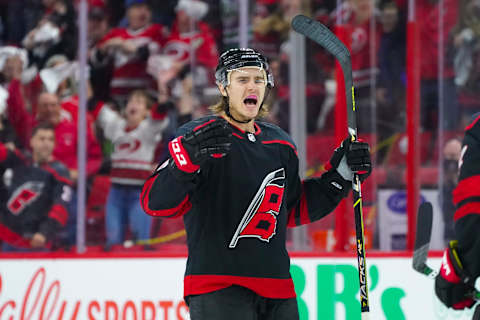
{"type": "Point", "coordinates": [312, 199]}
{"type": "Point", "coordinates": [466, 198]}
{"type": "Point", "coordinates": [10, 158]}
{"type": "Point", "coordinates": [163, 195]}
{"type": "Point", "coordinates": [62, 195]}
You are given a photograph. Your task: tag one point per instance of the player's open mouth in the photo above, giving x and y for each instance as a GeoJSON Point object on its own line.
{"type": "Point", "coordinates": [250, 101]}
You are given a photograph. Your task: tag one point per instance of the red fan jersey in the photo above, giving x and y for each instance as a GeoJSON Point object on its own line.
{"type": "Point", "coordinates": [129, 72]}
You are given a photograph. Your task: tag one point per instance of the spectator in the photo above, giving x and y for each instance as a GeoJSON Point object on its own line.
{"type": "Point", "coordinates": [38, 195]}
{"type": "Point", "coordinates": [270, 27]}
{"type": "Point", "coordinates": [135, 137]}
{"type": "Point", "coordinates": [130, 48]}
{"type": "Point", "coordinates": [428, 12]}
{"type": "Point", "coordinates": [467, 57]}
{"type": "Point", "coordinates": [451, 155]}
{"type": "Point", "coordinates": [54, 33]}
{"type": "Point", "coordinates": [49, 110]}
{"type": "Point", "coordinates": [189, 34]}
{"type": "Point", "coordinates": [365, 38]}
{"type": "Point", "coordinates": [390, 92]}
{"type": "Point", "coordinates": [100, 71]}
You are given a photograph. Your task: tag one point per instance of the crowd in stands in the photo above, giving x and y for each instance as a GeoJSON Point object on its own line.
{"type": "Point", "coordinates": [151, 69]}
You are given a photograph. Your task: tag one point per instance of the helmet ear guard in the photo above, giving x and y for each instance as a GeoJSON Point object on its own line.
{"type": "Point", "coordinates": [238, 58]}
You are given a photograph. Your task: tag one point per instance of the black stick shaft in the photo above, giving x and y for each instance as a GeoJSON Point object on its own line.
{"type": "Point", "coordinates": [324, 37]}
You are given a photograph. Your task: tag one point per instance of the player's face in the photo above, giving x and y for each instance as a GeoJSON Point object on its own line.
{"type": "Point", "coordinates": [246, 92]}
{"type": "Point", "coordinates": [42, 143]}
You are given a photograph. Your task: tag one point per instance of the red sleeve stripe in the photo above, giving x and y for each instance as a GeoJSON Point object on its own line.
{"type": "Point", "coordinates": [282, 142]}
{"type": "Point", "coordinates": [304, 217]}
{"type": "Point", "coordinates": [57, 176]}
{"type": "Point", "coordinates": [3, 152]}
{"type": "Point", "coordinates": [466, 188]}
{"type": "Point", "coordinates": [179, 210]}
{"type": "Point", "coordinates": [204, 124]}
{"type": "Point", "coordinates": [59, 213]}
{"type": "Point", "coordinates": [468, 208]}
{"type": "Point", "coordinates": [299, 214]}
{"type": "Point", "coordinates": [470, 126]}
{"type": "Point", "coordinates": [13, 238]}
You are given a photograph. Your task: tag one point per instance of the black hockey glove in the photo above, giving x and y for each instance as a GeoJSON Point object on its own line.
{"type": "Point", "coordinates": [452, 284]}
{"type": "Point", "coordinates": [352, 157]}
{"type": "Point", "coordinates": [189, 152]}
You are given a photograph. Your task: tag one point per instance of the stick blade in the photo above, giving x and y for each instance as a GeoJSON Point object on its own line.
{"type": "Point", "coordinates": [422, 237]}
{"type": "Point", "coordinates": [476, 314]}
{"type": "Point", "coordinates": [320, 34]}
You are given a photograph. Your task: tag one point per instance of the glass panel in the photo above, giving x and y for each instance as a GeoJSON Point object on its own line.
{"type": "Point", "coordinates": [158, 62]}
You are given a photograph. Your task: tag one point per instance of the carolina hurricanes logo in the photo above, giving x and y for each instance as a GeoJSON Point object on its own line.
{"type": "Point", "coordinates": [24, 195]}
{"type": "Point", "coordinates": [260, 219]}
{"type": "Point", "coordinates": [130, 146]}
{"type": "Point", "coordinates": [359, 39]}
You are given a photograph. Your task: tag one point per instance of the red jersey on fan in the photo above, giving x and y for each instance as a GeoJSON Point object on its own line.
{"type": "Point", "coordinates": [179, 44]}
{"type": "Point", "coordinates": [130, 73]}
{"type": "Point", "coordinates": [365, 38]}
{"type": "Point", "coordinates": [428, 20]}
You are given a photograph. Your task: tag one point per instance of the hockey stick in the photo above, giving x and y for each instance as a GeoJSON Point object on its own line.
{"type": "Point", "coordinates": [422, 240]}
{"type": "Point", "coordinates": [476, 314]}
{"type": "Point", "coordinates": [162, 239]}
{"type": "Point", "coordinates": [422, 245]}
{"type": "Point", "coordinates": [320, 34]}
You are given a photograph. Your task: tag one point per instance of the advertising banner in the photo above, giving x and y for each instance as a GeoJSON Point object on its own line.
{"type": "Point", "coordinates": [151, 288]}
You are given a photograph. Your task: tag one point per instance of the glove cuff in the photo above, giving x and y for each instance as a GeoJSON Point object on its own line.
{"type": "Point", "coordinates": [180, 156]}
{"type": "Point", "coordinates": [344, 170]}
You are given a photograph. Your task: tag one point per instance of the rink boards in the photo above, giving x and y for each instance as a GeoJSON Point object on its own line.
{"type": "Point", "coordinates": [151, 288]}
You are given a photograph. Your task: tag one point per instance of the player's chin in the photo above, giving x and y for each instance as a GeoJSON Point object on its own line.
{"type": "Point", "coordinates": [250, 112]}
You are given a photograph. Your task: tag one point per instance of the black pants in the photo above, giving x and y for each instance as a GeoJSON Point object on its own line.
{"type": "Point", "coordinates": [238, 303]}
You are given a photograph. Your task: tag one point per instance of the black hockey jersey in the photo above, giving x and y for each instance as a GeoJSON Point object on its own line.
{"type": "Point", "coordinates": [466, 197]}
{"type": "Point", "coordinates": [237, 210]}
{"type": "Point", "coordinates": [36, 201]}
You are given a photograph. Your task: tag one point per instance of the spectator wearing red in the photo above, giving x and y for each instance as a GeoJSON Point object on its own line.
{"type": "Point", "coordinates": [189, 34]}
{"type": "Point", "coordinates": [364, 45]}
{"type": "Point", "coordinates": [129, 48]}
{"type": "Point", "coordinates": [49, 110]}
{"type": "Point", "coordinates": [431, 36]}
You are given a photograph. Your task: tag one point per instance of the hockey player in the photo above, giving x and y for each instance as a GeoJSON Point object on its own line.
{"type": "Point", "coordinates": [236, 183]}
{"type": "Point", "coordinates": [38, 195]}
{"type": "Point", "coordinates": [454, 285]}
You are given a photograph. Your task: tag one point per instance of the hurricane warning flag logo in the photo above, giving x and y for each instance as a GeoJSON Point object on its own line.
{"type": "Point", "coordinates": [260, 219]}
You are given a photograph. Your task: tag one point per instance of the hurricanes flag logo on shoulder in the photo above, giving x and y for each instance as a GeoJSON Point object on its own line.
{"type": "Point", "coordinates": [260, 219]}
